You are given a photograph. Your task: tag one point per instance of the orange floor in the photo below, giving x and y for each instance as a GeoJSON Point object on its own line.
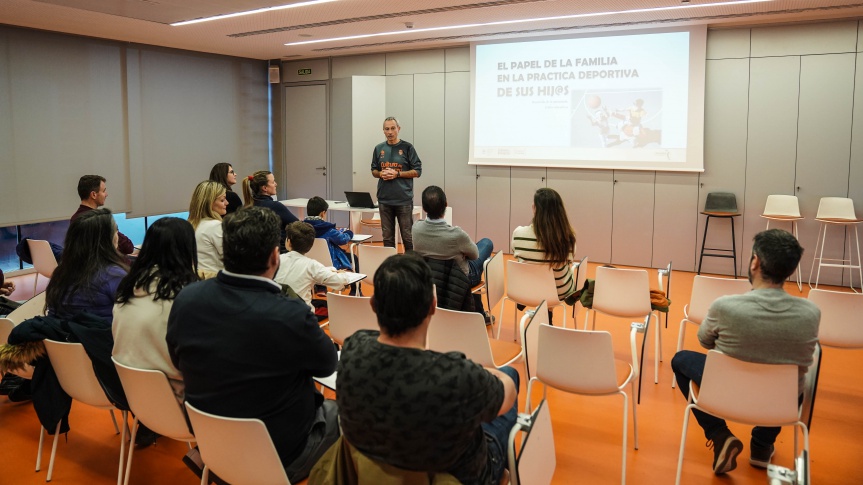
{"type": "Point", "coordinates": [587, 429]}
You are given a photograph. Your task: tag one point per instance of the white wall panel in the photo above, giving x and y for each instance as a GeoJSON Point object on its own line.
{"type": "Point", "coordinates": [429, 123]}
{"type": "Point", "coordinates": [632, 218]}
{"type": "Point", "coordinates": [823, 147]}
{"type": "Point", "coordinates": [370, 65]}
{"type": "Point", "coordinates": [524, 183]}
{"type": "Point", "coordinates": [675, 214]}
{"type": "Point", "coordinates": [725, 114]}
{"type": "Point", "coordinates": [587, 196]}
{"type": "Point", "coordinates": [772, 143]}
{"type": "Point", "coordinates": [459, 177]}
{"type": "Point", "coordinates": [493, 191]}
{"type": "Point", "coordinates": [458, 59]}
{"type": "Point", "coordinates": [805, 39]}
{"type": "Point", "coordinates": [400, 103]}
{"type": "Point", "coordinates": [727, 43]}
{"type": "Point", "coordinates": [415, 62]}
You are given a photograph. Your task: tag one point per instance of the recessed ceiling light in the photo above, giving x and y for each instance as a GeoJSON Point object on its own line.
{"type": "Point", "coordinates": [538, 19]}
{"type": "Point", "coordinates": [251, 12]}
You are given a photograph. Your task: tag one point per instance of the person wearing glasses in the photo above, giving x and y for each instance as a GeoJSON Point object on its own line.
{"type": "Point", "coordinates": [224, 174]}
{"type": "Point", "coordinates": [395, 164]}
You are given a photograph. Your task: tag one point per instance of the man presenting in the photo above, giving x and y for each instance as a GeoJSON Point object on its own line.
{"type": "Point", "coordinates": [417, 409]}
{"type": "Point", "coordinates": [436, 239]}
{"type": "Point", "coordinates": [766, 325]}
{"type": "Point", "coordinates": [247, 351]}
{"type": "Point", "coordinates": [395, 164]}
{"type": "Point", "coordinates": [92, 191]}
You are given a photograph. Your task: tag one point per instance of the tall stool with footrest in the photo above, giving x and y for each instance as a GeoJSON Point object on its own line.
{"type": "Point", "coordinates": [724, 206]}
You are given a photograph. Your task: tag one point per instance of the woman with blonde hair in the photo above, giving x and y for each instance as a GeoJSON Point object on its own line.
{"type": "Point", "coordinates": [206, 210]}
{"type": "Point", "coordinates": [549, 239]}
{"type": "Point", "coordinates": [259, 189]}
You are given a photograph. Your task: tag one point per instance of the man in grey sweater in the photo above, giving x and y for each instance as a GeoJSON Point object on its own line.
{"type": "Point", "coordinates": [434, 238]}
{"type": "Point", "coordinates": [766, 325]}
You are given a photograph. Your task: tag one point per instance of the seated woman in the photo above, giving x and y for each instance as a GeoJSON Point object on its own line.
{"type": "Point", "coordinates": [91, 269]}
{"type": "Point", "coordinates": [166, 263]}
{"type": "Point", "coordinates": [259, 189]}
{"type": "Point", "coordinates": [224, 174]}
{"type": "Point", "coordinates": [205, 214]}
{"type": "Point", "coordinates": [549, 239]}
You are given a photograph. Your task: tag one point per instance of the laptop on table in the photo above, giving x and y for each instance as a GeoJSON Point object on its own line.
{"type": "Point", "coordinates": [360, 200]}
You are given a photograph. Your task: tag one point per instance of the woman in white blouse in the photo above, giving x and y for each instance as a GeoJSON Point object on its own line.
{"type": "Point", "coordinates": [206, 210]}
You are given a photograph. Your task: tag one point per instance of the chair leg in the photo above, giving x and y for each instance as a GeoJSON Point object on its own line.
{"type": "Point", "coordinates": [205, 476]}
{"type": "Point", "coordinates": [35, 284]}
{"type": "Point", "coordinates": [53, 453]}
{"type": "Point", "coordinates": [634, 416]}
{"type": "Point", "coordinates": [703, 242]}
{"type": "Point", "coordinates": [125, 417]}
{"type": "Point", "coordinates": [681, 334]}
{"type": "Point", "coordinates": [131, 450]}
{"type": "Point", "coordinates": [657, 349]}
{"type": "Point", "coordinates": [39, 452]}
{"type": "Point", "coordinates": [625, 432]}
{"type": "Point", "coordinates": [114, 419]}
{"type": "Point", "coordinates": [682, 444]}
{"type": "Point", "coordinates": [859, 265]}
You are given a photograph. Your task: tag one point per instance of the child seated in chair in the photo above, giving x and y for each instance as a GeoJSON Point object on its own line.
{"type": "Point", "coordinates": [316, 210]}
{"type": "Point", "coordinates": [300, 272]}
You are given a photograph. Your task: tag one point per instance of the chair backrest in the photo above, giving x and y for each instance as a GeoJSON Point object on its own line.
{"type": "Point", "coordinates": [840, 318]}
{"type": "Point", "coordinates": [349, 314]}
{"type": "Point", "coordinates": [151, 398]}
{"type": "Point", "coordinates": [372, 257]}
{"type": "Point", "coordinates": [321, 252]}
{"type": "Point", "coordinates": [43, 257]}
{"type": "Point", "coordinates": [581, 273]}
{"type": "Point", "coordinates": [239, 451]}
{"type": "Point", "coordinates": [6, 327]}
{"type": "Point", "coordinates": [622, 292]}
{"type": "Point", "coordinates": [74, 370]}
{"type": "Point", "coordinates": [749, 393]}
{"type": "Point", "coordinates": [782, 205]}
{"type": "Point", "coordinates": [720, 202]}
{"type": "Point", "coordinates": [530, 283]}
{"type": "Point", "coordinates": [33, 307]}
{"type": "Point", "coordinates": [530, 338]}
{"type": "Point", "coordinates": [836, 208]}
{"type": "Point", "coordinates": [465, 332]}
{"type": "Point", "coordinates": [536, 462]}
{"type": "Point", "coordinates": [810, 387]}
{"type": "Point", "coordinates": [579, 361]}
{"type": "Point", "coordinates": [495, 282]}
{"type": "Point", "coordinates": [706, 289]}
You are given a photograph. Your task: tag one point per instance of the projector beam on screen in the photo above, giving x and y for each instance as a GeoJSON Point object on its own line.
{"type": "Point", "coordinates": [625, 100]}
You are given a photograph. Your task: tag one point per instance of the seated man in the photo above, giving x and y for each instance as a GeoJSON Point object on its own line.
{"type": "Point", "coordinates": [92, 191]}
{"type": "Point", "coordinates": [316, 210]}
{"type": "Point", "coordinates": [434, 238]}
{"type": "Point", "coordinates": [302, 273]}
{"type": "Point", "coordinates": [247, 351]}
{"type": "Point", "coordinates": [418, 409]}
{"type": "Point", "coordinates": [766, 325]}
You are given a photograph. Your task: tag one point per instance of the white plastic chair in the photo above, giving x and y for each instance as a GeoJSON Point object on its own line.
{"type": "Point", "coordinates": [240, 451]}
{"type": "Point", "coordinates": [625, 293]}
{"type": "Point", "coordinates": [840, 318]}
{"type": "Point", "coordinates": [836, 211]}
{"type": "Point", "coordinates": [582, 362]}
{"type": "Point", "coordinates": [74, 370]}
{"type": "Point", "coordinates": [748, 393]}
{"type": "Point", "coordinates": [371, 258]}
{"type": "Point", "coordinates": [495, 283]}
{"type": "Point", "coordinates": [579, 271]}
{"type": "Point", "coordinates": [529, 326]}
{"type": "Point", "coordinates": [321, 252]}
{"type": "Point", "coordinates": [43, 258]}
{"type": "Point", "coordinates": [153, 403]}
{"type": "Point", "coordinates": [530, 284]}
{"type": "Point", "coordinates": [33, 307]}
{"type": "Point", "coordinates": [349, 314]}
{"type": "Point", "coordinates": [784, 208]}
{"type": "Point", "coordinates": [705, 290]}
{"type": "Point", "coordinates": [536, 461]}
{"type": "Point", "coordinates": [465, 332]}
{"type": "Point", "coordinates": [6, 327]}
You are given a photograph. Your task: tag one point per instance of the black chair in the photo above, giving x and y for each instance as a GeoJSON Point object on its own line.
{"type": "Point", "coordinates": [722, 205]}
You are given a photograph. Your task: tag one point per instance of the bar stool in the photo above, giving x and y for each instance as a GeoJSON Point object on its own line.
{"type": "Point", "coordinates": [784, 208]}
{"type": "Point", "coordinates": [724, 206]}
{"type": "Point", "coordinates": [839, 211]}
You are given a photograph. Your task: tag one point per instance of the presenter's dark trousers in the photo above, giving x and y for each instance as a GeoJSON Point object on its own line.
{"type": "Point", "coordinates": [404, 214]}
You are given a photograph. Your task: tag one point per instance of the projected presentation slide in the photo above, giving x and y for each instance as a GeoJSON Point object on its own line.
{"type": "Point", "coordinates": [622, 98]}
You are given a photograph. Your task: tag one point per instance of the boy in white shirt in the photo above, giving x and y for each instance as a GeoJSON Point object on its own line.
{"type": "Point", "coordinates": [302, 273]}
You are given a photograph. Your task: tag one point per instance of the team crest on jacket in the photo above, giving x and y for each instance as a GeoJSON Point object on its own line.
{"type": "Point", "coordinates": [382, 154]}
{"type": "Point", "coordinates": [400, 153]}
